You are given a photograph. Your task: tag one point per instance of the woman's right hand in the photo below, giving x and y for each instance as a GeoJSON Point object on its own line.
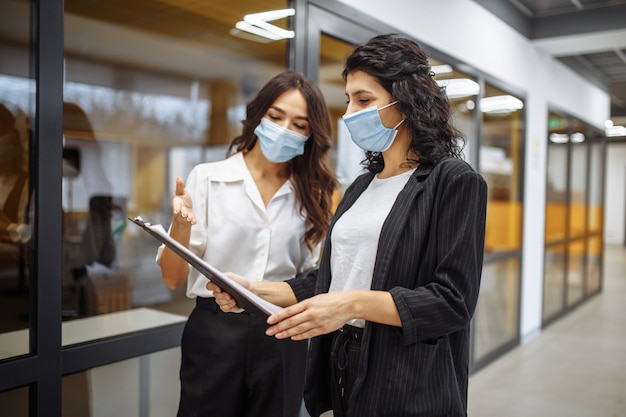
{"type": "Point", "coordinates": [181, 204]}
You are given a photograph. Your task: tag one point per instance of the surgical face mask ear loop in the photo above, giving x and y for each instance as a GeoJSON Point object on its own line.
{"type": "Point", "coordinates": [389, 105]}
{"type": "Point", "coordinates": [395, 128]}
{"type": "Point", "coordinates": [398, 125]}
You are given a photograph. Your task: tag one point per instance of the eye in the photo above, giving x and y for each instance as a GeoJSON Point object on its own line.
{"type": "Point", "coordinates": [302, 127]}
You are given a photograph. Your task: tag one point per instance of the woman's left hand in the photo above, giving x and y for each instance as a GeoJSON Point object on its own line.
{"type": "Point", "coordinates": [223, 299]}
{"type": "Point", "coordinates": [312, 317]}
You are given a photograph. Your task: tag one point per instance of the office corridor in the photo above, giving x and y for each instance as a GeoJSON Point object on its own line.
{"type": "Point", "coordinates": [576, 367]}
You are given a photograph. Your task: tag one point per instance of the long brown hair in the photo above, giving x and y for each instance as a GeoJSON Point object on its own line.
{"type": "Point", "coordinates": [313, 180]}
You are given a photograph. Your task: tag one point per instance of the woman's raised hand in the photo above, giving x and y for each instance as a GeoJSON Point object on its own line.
{"type": "Point", "coordinates": [181, 204]}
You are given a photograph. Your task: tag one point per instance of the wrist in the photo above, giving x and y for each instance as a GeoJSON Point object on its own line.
{"type": "Point", "coordinates": [352, 302]}
{"type": "Point", "coordinates": [181, 220]}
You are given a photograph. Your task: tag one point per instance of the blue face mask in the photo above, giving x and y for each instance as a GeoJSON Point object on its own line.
{"type": "Point", "coordinates": [277, 143]}
{"type": "Point", "coordinates": [367, 130]}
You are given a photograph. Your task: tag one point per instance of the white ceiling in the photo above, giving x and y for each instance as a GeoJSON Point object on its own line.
{"type": "Point", "coordinates": [587, 35]}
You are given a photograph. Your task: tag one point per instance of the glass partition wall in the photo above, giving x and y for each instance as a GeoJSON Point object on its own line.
{"type": "Point", "coordinates": [496, 323]}
{"type": "Point", "coordinates": [17, 92]}
{"type": "Point", "coordinates": [151, 89]}
{"type": "Point", "coordinates": [574, 215]}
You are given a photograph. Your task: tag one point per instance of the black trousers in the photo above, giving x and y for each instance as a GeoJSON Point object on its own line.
{"type": "Point", "coordinates": [230, 368]}
{"type": "Point", "coordinates": [344, 359]}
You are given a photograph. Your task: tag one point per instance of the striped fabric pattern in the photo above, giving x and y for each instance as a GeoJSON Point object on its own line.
{"type": "Point", "coordinates": [430, 257]}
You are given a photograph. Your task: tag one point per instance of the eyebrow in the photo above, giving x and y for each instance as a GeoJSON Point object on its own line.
{"type": "Point", "coordinates": [278, 109]}
{"type": "Point", "coordinates": [361, 91]}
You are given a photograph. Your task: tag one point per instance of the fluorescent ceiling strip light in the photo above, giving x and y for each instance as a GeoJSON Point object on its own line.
{"type": "Point", "coordinates": [559, 138]}
{"type": "Point", "coordinates": [256, 23]}
{"type": "Point", "coordinates": [500, 104]}
{"type": "Point", "coordinates": [576, 137]}
{"type": "Point", "coordinates": [280, 32]}
{"type": "Point", "coordinates": [459, 87]}
{"type": "Point", "coordinates": [615, 131]}
{"type": "Point", "coordinates": [245, 26]}
{"type": "Point", "coordinates": [442, 69]}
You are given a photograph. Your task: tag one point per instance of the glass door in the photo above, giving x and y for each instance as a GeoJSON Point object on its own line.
{"type": "Point", "coordinates": [330, 38]}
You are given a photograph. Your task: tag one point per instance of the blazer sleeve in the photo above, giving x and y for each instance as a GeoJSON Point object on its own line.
{"type": "Point", "coordinates": [447, 289]}
{"type": "Point", "coordinates": [303, 285]}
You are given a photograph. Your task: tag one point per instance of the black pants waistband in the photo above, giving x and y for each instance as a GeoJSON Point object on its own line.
{"type": "Point", "coordinates": [352, 332]}
{"type": "Point", "coordinates": [207, 303]}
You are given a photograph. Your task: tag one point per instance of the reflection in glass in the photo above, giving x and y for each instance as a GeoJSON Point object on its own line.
{"type": "Point", "coordinates": [595, 252]}
{"type": "Point", "coordinates": [579, 145]}
{"type": "Point", "coordinates": [497, 313]}
{"type": "Point", "coordinates": [575, 271]}
{"type": "Point", "coordinates": [17, 93]}
{"type": "Point", "coordinates": [462, 91]}
{"type": "Point", "coordinates": [501, 166]}
{"type": "Point", "coordinates": [345, 156]}
{"type": "Point", "coordinates": [500, 163]}
{"type": "Point", "coordinates": [143, 386]}
{"type": "Point", "coordinates": [596, 184]}
{"type": "Point", "coordinates": [150, 90]}
{"type": "Point", "coordinates": [574, 212]}
{"type": "Point", "coordinates": [15, 402]}
{"type": "Point", "coordinates": [553, 280]}
{"type": "Point", "coordinates": [595, 249]}
{"type": "Point", "coordinates": [556, 186]}
{"type": "Point", "coordinates": [578, 182]}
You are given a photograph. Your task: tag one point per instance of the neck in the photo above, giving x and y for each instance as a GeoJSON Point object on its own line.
{"type": "Point", "coordinates": [259, 165]}
{"type": "Point", "coordinates": [394, 170]}
{"type": "Point", "coordinates": [399, 158]}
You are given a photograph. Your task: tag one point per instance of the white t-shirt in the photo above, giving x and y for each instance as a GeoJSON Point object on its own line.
{"type": "Point", "coordinates": [356, 234]}
{"type": "Point", "coordinates": [235, 232]}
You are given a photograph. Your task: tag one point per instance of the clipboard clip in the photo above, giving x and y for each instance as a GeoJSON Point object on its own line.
{"type": "Point", "coordinates": [139, 221]}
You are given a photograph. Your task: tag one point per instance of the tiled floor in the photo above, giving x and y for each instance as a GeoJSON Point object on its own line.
{"type": "Point", "coordinates": [575, 367]}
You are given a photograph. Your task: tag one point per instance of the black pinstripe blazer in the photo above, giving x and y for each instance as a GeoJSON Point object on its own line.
{"type": "Point", "coordinates": [429, 258]}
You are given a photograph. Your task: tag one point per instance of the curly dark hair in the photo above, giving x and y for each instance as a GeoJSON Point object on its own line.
{"type": "Point", "coordinates": [401, 66]}
{"type": "Point", "coordinates": [313, 180]}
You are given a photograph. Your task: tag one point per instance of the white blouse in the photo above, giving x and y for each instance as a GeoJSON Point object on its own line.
{"type": "Point", "coordinates": [235, 232]}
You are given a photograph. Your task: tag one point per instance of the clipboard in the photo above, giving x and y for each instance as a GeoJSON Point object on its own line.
{"type": "Point", "coordinates": [244, 297]}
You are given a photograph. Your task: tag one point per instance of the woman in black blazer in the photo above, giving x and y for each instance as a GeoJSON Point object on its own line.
{"type": "Point", "coordinates": [388, 310]}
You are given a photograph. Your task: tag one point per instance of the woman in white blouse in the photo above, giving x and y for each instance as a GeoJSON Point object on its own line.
{"type": "Point", "coordinates": [261, 213]}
